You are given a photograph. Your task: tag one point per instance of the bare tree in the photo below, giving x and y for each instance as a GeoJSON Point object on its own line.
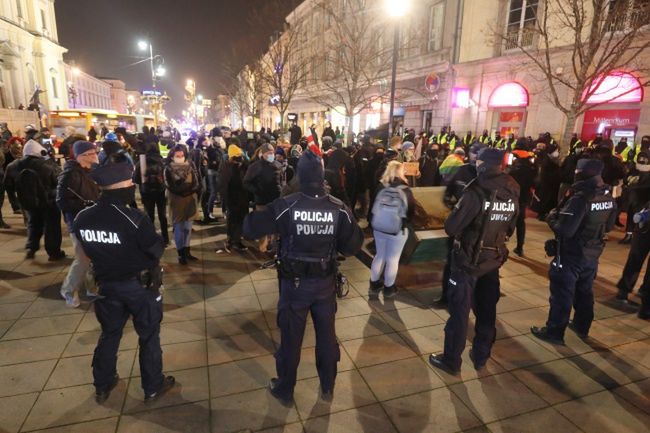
{"type": "Point", "coordinates": [576, 44]}
{"type": "Point", "coordinates": [282, 69]}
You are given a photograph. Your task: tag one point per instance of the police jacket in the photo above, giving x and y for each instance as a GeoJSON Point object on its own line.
{"type": "Point", "coordinates": [75, 189]}
{"type": "Point", "coordinates": [313, 228]}
{"type": "Point", "coordinates": [264, 180]}
{"type": "Point", "coordinates": [582, 220]}
{"type": "Point", "coordinates": [120, 241]}
{"type": "Point", "coordinates": [482, 221]}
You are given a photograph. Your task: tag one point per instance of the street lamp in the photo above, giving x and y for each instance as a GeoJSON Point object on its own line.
{"type": "Point", "coordinates": [156, 73]}
{"type": "Point", "coordinates": [396, 9]}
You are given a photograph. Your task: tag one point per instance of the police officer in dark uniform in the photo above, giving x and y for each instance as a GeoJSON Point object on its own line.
{"type": "Point", "coordinates": [313, 228]}
{"type": "Point", "coordinates": [125, 250]}
{"type": "Point", "coordinates": [580, 224]}
{"type": "Point", "coordinates": [457, 184]}
{"type": "Point", "coordinates": [480, 224]}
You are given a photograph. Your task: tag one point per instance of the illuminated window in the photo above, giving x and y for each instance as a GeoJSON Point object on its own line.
{"type": "Point", "coordinates": [460, 97]}
{"type": "Point", "coordinates": [617, 87]}
{"type": "Point", "coordinates": [509, 95]}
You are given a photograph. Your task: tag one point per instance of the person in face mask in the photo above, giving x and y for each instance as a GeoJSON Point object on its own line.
{"type": "Point", "coordinates": [636, 192]}
{"type": "Point", "coordinates": [429, 172]}
{"type": "Point", "coordinates": [579, 224]}
{"type": "Point", "coordinates": [182, 182]}
{"type": "Point", "coordinates": [122, 243]}
{"type": "Point", "coordinates": [235, 197]}
{"type": "Point", "coordinates": [264, 180]}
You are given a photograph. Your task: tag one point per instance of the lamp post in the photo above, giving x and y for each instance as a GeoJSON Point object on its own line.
{"type": "Point", "coordinates": [157, 72]}
{"type": "Point", "coordinates": [396, 9]}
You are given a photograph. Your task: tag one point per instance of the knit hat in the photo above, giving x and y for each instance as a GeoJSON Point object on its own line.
{"type": "Point", "coordinates": [459, 151]}
{"type": "Point", "coordinates": [490, 157]}
{"type": "Point", "coordinates": [111, 173]}
{"type": "Point", "coordinates": [310, 170]}
{"type": "Point", "coordinates": [280, 151]}
{"type": "Point", "coordinates": [234, 151]}
{"type": "Point", "coordinates": [407, 145]}
{"type": "Point", "coordinates": [33, 148]}
{"type": "Point", "coordinates": [81, 146]}
{"type": "Point", "coordinates": [590, 167]}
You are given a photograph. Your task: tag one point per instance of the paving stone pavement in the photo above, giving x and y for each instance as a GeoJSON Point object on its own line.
{"type": "Point", "coordinates": [219, 336]}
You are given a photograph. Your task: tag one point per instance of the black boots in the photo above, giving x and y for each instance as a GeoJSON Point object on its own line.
{"type": "Point", "coordinates": [375, 288]}
{"type": "Point", "coordinates": [182, 257]}
{"type": "Point", "coordinates": [189, 255]}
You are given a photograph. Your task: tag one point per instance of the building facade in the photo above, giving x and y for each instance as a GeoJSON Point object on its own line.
{"type": "Point", "coordinates": [118, 94]}
{"type": "Point", "coordinates": [30, 55]}
{"type": "Point", "coordinates": [85, 90]}
{"type": "Point", "coordinates": [428, 42]}
{"type": "Point", "coordinates": [500, 89]}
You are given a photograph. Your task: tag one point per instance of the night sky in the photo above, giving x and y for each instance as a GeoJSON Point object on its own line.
{"type": "Point", "coordinates": [196, 38]}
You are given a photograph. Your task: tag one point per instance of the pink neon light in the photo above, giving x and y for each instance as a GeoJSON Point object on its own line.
{"type": "Point", "coordinates": [460, 97]}
{"type": "Point", "coordinates": [509, 95]}
{"type": "Point", "coordinates": [617, 87]}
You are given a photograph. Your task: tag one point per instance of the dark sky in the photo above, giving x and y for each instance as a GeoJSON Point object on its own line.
{"type": "Point", "coordinates": [196, 38]}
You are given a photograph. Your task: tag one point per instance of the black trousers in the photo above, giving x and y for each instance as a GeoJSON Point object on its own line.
{"type": "Point", "coordinates": [118, 301]}
{"type": "Point", "coordinates": [521, 226]}
{"type": "Point", "coordinates": [571, 286]}
{"type": "Point", "coordinates": [447, 270]}
{"type": "Point", "coordinates": [151, 201]}
{"type": "Point", "coordinates": [481, 296]}
{"type": "Point", "coordinates": [46, 221]}
{"type": "Point", "coordinates": [318, 297]}
{"type": "Point", "coordinates": [234, 224]}
{"type": "Point", "coordinates": [638, 253]}
{"type": "Point", "coordinates": [13, 199]}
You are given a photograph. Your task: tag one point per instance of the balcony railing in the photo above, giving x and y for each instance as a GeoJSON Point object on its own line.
{"type": "Point", "coordinates": [519, 38]}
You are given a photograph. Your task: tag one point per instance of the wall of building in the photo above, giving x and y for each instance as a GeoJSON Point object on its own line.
{"type": "Point", "coordinates": [91, 92]}
{"type": "Point", "coordinates": [31, 55]}
{"type": "Point", "coordinates": [118, 94]}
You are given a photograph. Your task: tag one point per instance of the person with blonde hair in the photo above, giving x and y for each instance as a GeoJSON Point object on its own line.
{"type": "Point", "coordinates": [391, 216]}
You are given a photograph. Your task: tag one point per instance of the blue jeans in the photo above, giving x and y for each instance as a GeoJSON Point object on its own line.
{"type": "Point", "coordinates": [212, 182]}
{"type": "Point", "coordinates": [182, 234]}
{"type": "Point", "coordinates": [389, 250]}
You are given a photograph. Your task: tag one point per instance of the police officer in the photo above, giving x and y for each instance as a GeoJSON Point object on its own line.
{"type": "Point", "coordinates": [638, 253]}
{"type": "Point", "coordinates": [453, 192]}
{"type": "Point", "coordinates": [480, 224]}
{"type": "Point", "coordinates": [580, 224]}
{"type": "Point", "coordinates": [122, 242]}
{"type": "Point", "coordinates": [313, 227]}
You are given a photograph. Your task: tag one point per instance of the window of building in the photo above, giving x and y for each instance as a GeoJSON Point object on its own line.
{"type": "Point", "coordinates": [55, 90]}
{"type": "Point", "coordinates": [19, 8]}
{"type": "Point", "coordinates": [522, 16]}
{"type": "Point", "coordinates": [43, 19]}
{"type": "Point", "coordinates": [436, 23]}
{"type": "Point", "coordinates": [628, 14]}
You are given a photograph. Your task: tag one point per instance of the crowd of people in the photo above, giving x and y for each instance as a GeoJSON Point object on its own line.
{"type": "Point", "coordinates": [306, 200]}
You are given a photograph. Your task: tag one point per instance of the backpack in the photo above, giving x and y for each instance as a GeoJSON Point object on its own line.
{"type": "Point", "coordinates": [389, 210]}
{"type": "Point", "coordinates": [154, 180]}
{"type": "Point", "coordinates": [30, 190]}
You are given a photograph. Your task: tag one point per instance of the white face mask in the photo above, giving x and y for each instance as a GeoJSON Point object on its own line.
{"type": "Point", "coordinates": [179, 159]}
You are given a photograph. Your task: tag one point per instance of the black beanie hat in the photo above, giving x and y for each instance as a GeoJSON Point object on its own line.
{"type": "Point", "coordinates": [310, 170]}
{"type": "Point", "coordinates": [590, 167]}
{"type": "Point", "coordinates": [490, 158]}
{"type": "Point", "coordinates": [117, 169]}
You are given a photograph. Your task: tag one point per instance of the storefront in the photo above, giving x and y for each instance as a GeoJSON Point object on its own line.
{"type": "Point", "coordinates": [619, 96]}
{"type": "Point", "coordinates": [508, 103]}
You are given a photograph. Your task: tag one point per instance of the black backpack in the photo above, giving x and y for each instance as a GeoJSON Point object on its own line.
{"type": "Point", "coordinates": [154, 180]}
{"type": "Point", "coordinates": [30, 190]}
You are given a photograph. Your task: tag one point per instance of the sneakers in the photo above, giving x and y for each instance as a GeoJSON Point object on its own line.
{"type": "Point", "coordinates": [519, 251]}
{"type": "Point", "coordinates": [30, 254]}
{"type": "Point", "coordinates": [439, 362]}
{"type": "Point", "coordinates": [390, 291]}
{"type": "Point", "coordinates": [71, 299]}
{"type": "Point", "coordinates": [102, 396]}
{"type": "Point", "coordinates": [273, 385]}
{"type": "Point", "coordinates": [326, 396]}
{"type": "Point", "coordinates": [621, 296]}
{"type": "Point", "coordinates": [56, 256]}
{"type": "Point", "coordinates": [239, 247]}
{"type": "Point", "coordinates": [440, 303]}
{"type": "Point", "coordinates": [375, 289]}
{"type": "Point", "coordinates": [542, 334]}
{"type": "Point", "coordinates": [168, 383]}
